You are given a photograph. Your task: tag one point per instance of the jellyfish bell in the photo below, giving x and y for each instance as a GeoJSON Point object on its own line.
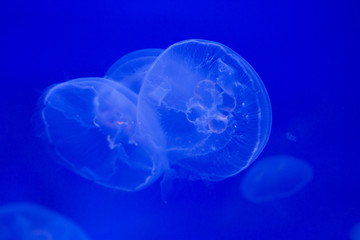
{"type": "Point", "coordinates": [26, 221]}
{"type": "Point", "coordinates": [211, 106]}
{"type": "Point", "coordinates": [131, 68]}
{"type": "Point", "coordinates": [275, 177]}
{"type": "Point", "coordinates": [91, 123]}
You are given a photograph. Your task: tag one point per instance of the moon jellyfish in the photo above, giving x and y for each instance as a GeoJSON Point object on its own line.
{"type": "Point", "coordinates": [131, 68]}
{"type": "Point", "coordinates": [212, 108]}
{"type": "Point", "coordinates": [24, 221]}
{"type": "Point", "coordinates": [275, 177]}
{"type": "Point", "coordinates": [91, 122]}
{"type": "Point", "coordinates": [196, 109]}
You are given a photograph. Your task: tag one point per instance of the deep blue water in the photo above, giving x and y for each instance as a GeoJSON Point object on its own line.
{"type": "Point", "coordinates": [307, 54]}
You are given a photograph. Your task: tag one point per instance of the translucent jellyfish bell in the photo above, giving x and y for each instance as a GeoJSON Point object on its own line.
{"type": "Point", "coordinates": [91, 122]}
{"type": "Point", "coordinates": [211, 106]}
{"type": "Point", "coordinates": [275, 177]}
{"type": "Point", "coordinates": [131, 68]}
{"type": "Point", "coordinates": [24, 221]}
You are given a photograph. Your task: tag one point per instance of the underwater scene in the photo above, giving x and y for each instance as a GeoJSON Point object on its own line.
{"type": "Point", "coordinates": [127, 120]}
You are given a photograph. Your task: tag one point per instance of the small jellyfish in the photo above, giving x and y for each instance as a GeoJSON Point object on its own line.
{"type": "Point", "coordinates": [91, 123]}
{"type": "Point", "coordinates": [26, 221]}
{"type": "Point", "coordinates": [275, 177]}
{"type": "Point", "coordinates": [211, 106]}
{"type": "Point", "coordinates": [131, 68]}
{"type": "Point", "coordinates": [290, 137]}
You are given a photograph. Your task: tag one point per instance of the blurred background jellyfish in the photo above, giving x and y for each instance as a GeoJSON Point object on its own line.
{"type": "Point", "coordinates": [355, 232]}
{"type": "Point", "coordinates": [275, 177]}
{"type": "Point", "coordinates": [26, 221]}
{"type": "Point", "coordinates": [212, 108]}
{"type": "Point", "coordinates": [91, 122]}
{"type": "Point", "coordinates": [131, 68]}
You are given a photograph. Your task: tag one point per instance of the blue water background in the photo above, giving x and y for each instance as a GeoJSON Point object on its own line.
{"type": "Point", "coordinates": [306, 52]}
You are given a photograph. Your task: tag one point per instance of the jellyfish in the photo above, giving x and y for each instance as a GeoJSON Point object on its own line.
{"type": "Point", "coordinates": [290, 137]}
{"type": "Point", "coordinates": [27, 221]}
{"type": "Point", "coordinates": [211, 106]}
{"type": "Point", "coordinates": [355, 232]}
{"type": "Point", "coordinates": [275, 177]}
{"type": "Point", "coordinates": [91, 123]}
{"type": "Point", "coordinates": [131, 68]}
{"type": "Point", "coordinates": [196, 108]}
